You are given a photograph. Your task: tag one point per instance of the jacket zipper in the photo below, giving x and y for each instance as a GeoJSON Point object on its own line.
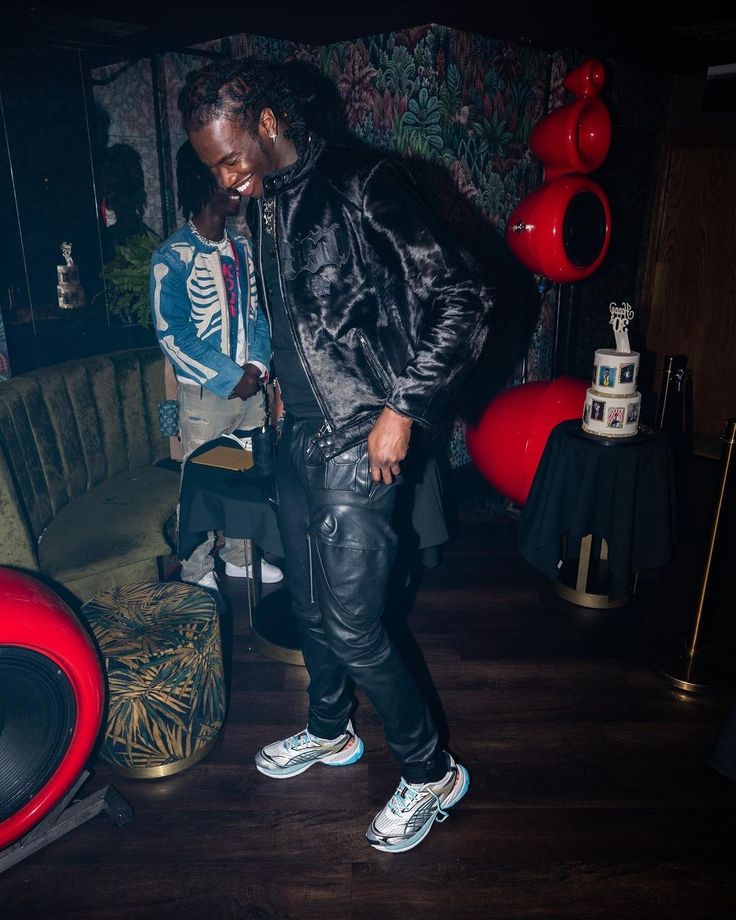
{"type": "Point", "coordinates": [327, 426]}
{"type": "Point", "coordinates": [323, 429]}
{"type": "Point", "coordinates": [375, 365]}
{"type": "Point", "coordinates": [260, 265]}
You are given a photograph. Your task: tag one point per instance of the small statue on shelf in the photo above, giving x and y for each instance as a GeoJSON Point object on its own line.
{"type": "Point", "coordinates": [69, 291]}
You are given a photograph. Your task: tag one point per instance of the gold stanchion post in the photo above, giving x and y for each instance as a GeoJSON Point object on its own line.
{"type": "Point", "coordinates": [691, 673]}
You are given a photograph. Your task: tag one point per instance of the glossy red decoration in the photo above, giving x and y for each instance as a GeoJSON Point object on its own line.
{"type": "Point", "coordinates": [537, 235]}
{"type": "Point", "coordinates": [562, 230]}
{"type": "Point", "coordinates": [34, 617]}
{"type": "Point", "coordinates": [585, 81]}
{"type": "Point", "coordinates": [507, 443]}
{"type": "Point", "coordinates": [575, 138]}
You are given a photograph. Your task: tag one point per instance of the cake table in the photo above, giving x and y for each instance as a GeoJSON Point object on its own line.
{"type": "Point", "coordinates": [610, 504]}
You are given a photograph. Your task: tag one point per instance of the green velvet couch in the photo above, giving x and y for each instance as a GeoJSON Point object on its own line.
{"type": "Point", "coordinates": [81, 499]}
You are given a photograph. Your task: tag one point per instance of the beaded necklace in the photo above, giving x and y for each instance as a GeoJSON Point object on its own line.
{"type": "Point", "coordinates": [203, 239]}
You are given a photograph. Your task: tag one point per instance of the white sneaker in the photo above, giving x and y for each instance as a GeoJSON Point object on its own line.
{"type": "Point", "coordinates": [208, 580]}
{"type": "Point", "coordinates": [270, 574]}
{"type": "Point", "coordinates": [298, 753]}
{"type": "Point", "coordinates": [411, 811]}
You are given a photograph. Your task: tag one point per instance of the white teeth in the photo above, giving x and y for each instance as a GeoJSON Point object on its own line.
{"type": "Point", "coordinates": [244, 186]}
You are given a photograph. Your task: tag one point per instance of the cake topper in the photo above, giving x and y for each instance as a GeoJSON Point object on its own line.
{"type": "Point", "coordinates": [66, 251]}
{"type": "Point", "coordinates": [620, 319]}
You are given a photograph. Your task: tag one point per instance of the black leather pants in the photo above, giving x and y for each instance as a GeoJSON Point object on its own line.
{"type": "Point", "coordinates": [339, 548]}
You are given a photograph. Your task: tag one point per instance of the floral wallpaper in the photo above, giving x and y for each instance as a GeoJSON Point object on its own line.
{"type": "Point", "coordinates": [459, 106]}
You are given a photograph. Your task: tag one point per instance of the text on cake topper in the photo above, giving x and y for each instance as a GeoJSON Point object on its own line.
{"type": "Point", "coordinates": [620, 319]}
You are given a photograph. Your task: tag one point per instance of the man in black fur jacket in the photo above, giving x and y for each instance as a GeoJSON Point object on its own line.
{"type": "Point", "coordinates": [376, 317]}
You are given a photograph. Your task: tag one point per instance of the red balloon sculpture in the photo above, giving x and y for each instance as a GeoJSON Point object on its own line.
{"type": "Point", "coordinates": [53, 692]}
{"type": "Point", "coordinates": [562, 230]}
{"type": "Point", "coordinates": [507, 443]}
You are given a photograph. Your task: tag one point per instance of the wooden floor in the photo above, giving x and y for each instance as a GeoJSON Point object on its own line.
{"type": "Point", "coordinates": [591, 793]}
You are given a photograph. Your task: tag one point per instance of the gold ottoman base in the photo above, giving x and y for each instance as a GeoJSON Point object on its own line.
{"type": "Point", "coordinates": [163, 656]}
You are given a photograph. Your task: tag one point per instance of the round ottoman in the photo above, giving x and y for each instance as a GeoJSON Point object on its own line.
{"type": "Point", "coordinates": [163, 655]}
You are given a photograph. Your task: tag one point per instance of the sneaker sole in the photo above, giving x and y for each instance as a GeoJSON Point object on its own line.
{"type": "Point", "coordinates": [417, 838]}
{"type": "Point", "coordinates": [334, 760]}
{"type": "Point", "coordinates": [268, 580]}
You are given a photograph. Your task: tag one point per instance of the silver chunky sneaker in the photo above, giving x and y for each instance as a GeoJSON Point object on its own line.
{"type": "Point", "coordinates": [298, 753]}
{"type": "Point", "coordinates": [412, 810]}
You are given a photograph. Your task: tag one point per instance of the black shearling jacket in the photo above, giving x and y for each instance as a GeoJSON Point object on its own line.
{"type": "Point", "coordinates": [385, 309]}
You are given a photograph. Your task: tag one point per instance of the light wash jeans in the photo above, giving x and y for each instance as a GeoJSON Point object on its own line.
{"type": "Point", "coordinates": [204, 416]}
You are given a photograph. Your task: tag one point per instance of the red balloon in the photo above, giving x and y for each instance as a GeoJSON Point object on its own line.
{"type": "Point", "coordinates": [575, 138]}
{"type": "Point", "coordinates": [587, 80]}
{"type": "Point", "coordinates": [507, 443]}
{"type": "Point", "coordinates": [562, 230]}
{"type": "Point", "coordinates": [38, 626]}
{"type": "Point", "coordinates": [542, 231]}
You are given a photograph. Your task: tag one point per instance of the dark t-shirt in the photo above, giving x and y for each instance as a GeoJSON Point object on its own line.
{"type": "Point", "coordinates": [296, 390]}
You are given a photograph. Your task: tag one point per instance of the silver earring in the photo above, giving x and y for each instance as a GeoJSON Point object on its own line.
{"type": "Point", "coordinates": [273, 136]}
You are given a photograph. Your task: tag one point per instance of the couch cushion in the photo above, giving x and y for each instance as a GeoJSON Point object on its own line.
{"type": "Point", "coordinates": [66, 428]}
{"type": "Point", "coordinates": [117, 523]}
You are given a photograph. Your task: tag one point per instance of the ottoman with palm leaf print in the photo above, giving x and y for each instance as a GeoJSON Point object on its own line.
{"type": "Point", "coordinates": [163, 655]}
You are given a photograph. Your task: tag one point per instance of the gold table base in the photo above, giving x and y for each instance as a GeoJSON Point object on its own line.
{"type": "Point", "coordinates": [585, 579]}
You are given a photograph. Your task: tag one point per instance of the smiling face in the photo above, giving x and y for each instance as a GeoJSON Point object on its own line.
{"type": "Point", "coordinates": [238, 159]}
{"type": "Point", "coordinates": [224, 202]}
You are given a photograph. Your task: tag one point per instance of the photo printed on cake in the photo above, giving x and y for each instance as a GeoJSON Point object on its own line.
{"type": "Point", "coordinates": [626, 373]}
{"type": "Point", "coordinates": [615, 417]}
{"type": "Point", "coordinates": [606, 376]}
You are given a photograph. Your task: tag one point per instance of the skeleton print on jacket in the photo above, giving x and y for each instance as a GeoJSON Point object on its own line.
{"type": "Point", "coordinates": [199, 296]}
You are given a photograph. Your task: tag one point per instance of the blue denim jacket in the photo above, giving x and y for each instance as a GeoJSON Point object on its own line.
{"type": "Point", "coordinates": [190, 311]}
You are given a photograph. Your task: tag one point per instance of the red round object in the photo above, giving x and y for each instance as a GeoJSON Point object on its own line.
{"type": "Point", "coordinates": [562, 230]}
{"type": "Point", "coordinates": [507, 443]}
{"type": "Point", "coordinates": [575, 138]}
{"type": "Point", "coordinates": [587, 80]}
{"type": "Point", "coordinates": [36, 623]}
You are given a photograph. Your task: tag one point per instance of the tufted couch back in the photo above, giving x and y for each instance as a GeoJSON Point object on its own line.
{"type": "Point", "coordinates": [67, 428]}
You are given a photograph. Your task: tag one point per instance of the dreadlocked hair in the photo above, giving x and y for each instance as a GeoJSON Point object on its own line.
{"type": "Point", "coordinates": [239, 91]}
{"type": "Point", "coordinates": [195, 182]}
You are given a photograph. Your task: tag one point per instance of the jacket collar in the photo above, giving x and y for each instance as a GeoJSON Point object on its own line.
{"type": "Point", "coordinates": [291, 175]}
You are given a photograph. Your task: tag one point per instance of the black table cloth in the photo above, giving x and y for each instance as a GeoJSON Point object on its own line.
{"type": "Point", "coordinates": [619, 489]}
{"type": "Point", "coordinates": [238, 504]}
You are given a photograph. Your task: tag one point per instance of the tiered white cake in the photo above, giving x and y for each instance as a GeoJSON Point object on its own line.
{"type": "Point", "coordinates": [69, 291]}
{"type": "Point", "coordinates": [612, 404]}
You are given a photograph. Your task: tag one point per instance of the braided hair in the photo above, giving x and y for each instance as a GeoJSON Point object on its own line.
{"type": "Point", "coordinates": [239, 91]}
{"type": "Point", "coordinates": [195, 183]}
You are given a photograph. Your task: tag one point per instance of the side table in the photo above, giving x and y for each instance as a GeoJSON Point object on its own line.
{"type": "Point", "coordinates": [610, 502]}
{"type": "Point", "coordinates": [240, 504]}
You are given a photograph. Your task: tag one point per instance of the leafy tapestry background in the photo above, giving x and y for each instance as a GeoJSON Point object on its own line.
{"type": "Point", "coordinates": [459, 102]}
{"type": "Point", "coordinates": [461, 107]}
